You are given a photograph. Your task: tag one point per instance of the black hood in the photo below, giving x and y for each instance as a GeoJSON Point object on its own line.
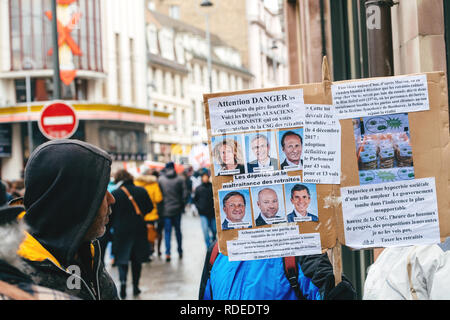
{"type": "Point", "coordinates": [65, 182]}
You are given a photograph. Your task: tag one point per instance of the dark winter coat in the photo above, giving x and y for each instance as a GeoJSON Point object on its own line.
{"type": "Point", "coordinates": [174, 192]}
{"type": "Point", "coordinates": [16, 285]}
{"type": "Point", "coordinates": [65, 183]}
{"type": "Point", "coordinates": [129, 229]}
{"type": "Point", "coordinates": [204, 200]}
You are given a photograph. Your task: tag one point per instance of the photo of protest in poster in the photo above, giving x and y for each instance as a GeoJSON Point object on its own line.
{"type": "Point", "coordinates": [228, 155]}
{"type": "Point", "coordinates": [301, 202]}
{"type": "Point", "coordinates": [290, 149]}
{"type": "Point", "coordinates": [268, 205]}
{"type": "Point", "coordinates": [261, 152]}
{"type": "Point", "coordinates": [235, 211]}
{"type": "Point", "coordinates": [383, 148]}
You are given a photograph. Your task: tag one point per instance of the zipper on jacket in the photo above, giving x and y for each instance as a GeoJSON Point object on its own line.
{"type": "Point", "coordinates": [77, 276]}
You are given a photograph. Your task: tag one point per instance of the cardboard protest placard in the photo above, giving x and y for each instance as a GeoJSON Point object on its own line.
{"type": "Point", "coordinates": [361, 142]}
{"type": "Point", "coordinates": [271, 122]}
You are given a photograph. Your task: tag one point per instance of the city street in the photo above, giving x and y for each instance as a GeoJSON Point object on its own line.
{"type": "Point", "coordinates": [174, 280]}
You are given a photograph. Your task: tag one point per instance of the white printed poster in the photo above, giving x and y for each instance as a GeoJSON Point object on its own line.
{"type": "Point", "coordinates": [391, 214]}
{"type": "Point", "coordinates": [273, 243]}
{"type": "Point", "coordinates": [380, 96]}
{"type": "Point", "coordinates": [256, 111]}
{"type": "Point", "coordinates": [322, 145]}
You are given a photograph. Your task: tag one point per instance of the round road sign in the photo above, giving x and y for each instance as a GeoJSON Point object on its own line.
{"type": "Point", "coordinates": [58, 120]}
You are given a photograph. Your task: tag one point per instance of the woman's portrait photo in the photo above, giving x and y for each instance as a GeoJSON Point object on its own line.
{"type": "Point", "coordinates": [228, 155]}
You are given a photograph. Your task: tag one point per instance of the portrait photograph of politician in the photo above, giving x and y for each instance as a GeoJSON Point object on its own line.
{"type": "Point", "coordinates": [259, 152]}
{"type": "Point", "coordinates": [268, 205]}
{"type": "Point", "coordinates": [303, 202]}
{"type": "Point", "coordinates": [228, 155]}
{"type": "Point", "coordinates": [234, 210]}
{"type": "Point", "coordinates": [291, 146]}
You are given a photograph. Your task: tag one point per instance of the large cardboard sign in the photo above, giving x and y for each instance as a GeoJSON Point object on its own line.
{"type": "Point", "coordinates": [300, 169]}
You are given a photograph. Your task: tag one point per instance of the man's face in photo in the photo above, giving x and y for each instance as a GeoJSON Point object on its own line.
{"type": "Point", "coordinates": [260, 148]}
{"type": "Point", "coordinates": [268, 203]}
{"type": "Point", "coordinates": [292, 148]}
{"type": "Point", "coordinates": [234, 208]}
{"type": "Point", "coordinates": [300, 200]}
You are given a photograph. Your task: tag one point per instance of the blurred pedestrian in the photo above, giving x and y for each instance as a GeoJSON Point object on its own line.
{"type": "Point", "coordinates": [149, 181]}
{"type": "Point", "coordinates": [174, 192]}
{"type": "Point", "coordinates": [130, 233]}
{"type": "Point", "coordinates": [67, 207]}
{"type": "Point", "coordinates": [7, 186]}
{"type": "Point", "coordinates": [17, 188]}
{"type": "Point", "coordinates": [107, 237]}
{"type": "Point", "coordinates": [204, 201]}
{"type": "Point", "coordinates": [3, 194]}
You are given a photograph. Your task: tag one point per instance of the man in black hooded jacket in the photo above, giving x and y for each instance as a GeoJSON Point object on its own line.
{"type": "Point", "coordinates": [67, 207]}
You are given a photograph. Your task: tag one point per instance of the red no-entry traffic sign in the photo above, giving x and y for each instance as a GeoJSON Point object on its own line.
{"type": "Point", "coordinates": [58, 120]}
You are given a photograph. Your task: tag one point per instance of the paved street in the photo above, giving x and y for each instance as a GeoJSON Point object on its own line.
{"type": "Point", "coordinates": [175, 280]}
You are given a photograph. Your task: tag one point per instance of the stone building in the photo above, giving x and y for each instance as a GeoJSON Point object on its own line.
{"type": "Point", "coordinates": [250, 26]}
{"type": "Point", "coordinates": [178, 75]}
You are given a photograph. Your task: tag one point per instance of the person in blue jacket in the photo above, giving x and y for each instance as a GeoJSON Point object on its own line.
{"type": "Point", "coordinates": [266, 280]}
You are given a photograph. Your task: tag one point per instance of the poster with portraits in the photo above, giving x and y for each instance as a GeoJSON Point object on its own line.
{"type": "Point", "coordinates": [298, 169]}
{"type": "Point", "coordinates": [257, 143]}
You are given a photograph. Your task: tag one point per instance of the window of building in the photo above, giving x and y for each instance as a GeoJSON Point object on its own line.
{"type": "Point", "coordinates": [194, 111]}
{"type": "Point", "coordinates": [182, 84]}
{"type": "Point", "coordinates": [174, 12]}
{"type": "Point", "coordinates": [132, 73]}
{"type": "Point", "coordinates": [151, 5]}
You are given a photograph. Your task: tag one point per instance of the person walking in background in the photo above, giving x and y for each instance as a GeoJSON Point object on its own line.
{"type": "Point", "coordinates": [149, 181]}
{"type": "Point", "coordinates": [130, 233]}
{"type": "Point", "coordinates": [204, 201]}
{"type": "Point", "coordinates": [67, 207]}
{"type": "Point", "coordinates": [174, 192]}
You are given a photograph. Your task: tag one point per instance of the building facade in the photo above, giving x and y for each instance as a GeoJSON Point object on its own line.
{"type": "Point", "coordinates": [102, 65]}
{"type": "Point", "coordinates": [178, 77]}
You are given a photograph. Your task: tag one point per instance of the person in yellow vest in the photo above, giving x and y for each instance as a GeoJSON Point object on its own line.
{"type": "Point", "coordinates": [149, 181]}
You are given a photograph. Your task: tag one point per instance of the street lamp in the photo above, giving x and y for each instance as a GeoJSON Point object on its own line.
{"type": "Point", "coordinates": [208, 4]}
{"type": "Point", "coordinates": [56, 71]}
